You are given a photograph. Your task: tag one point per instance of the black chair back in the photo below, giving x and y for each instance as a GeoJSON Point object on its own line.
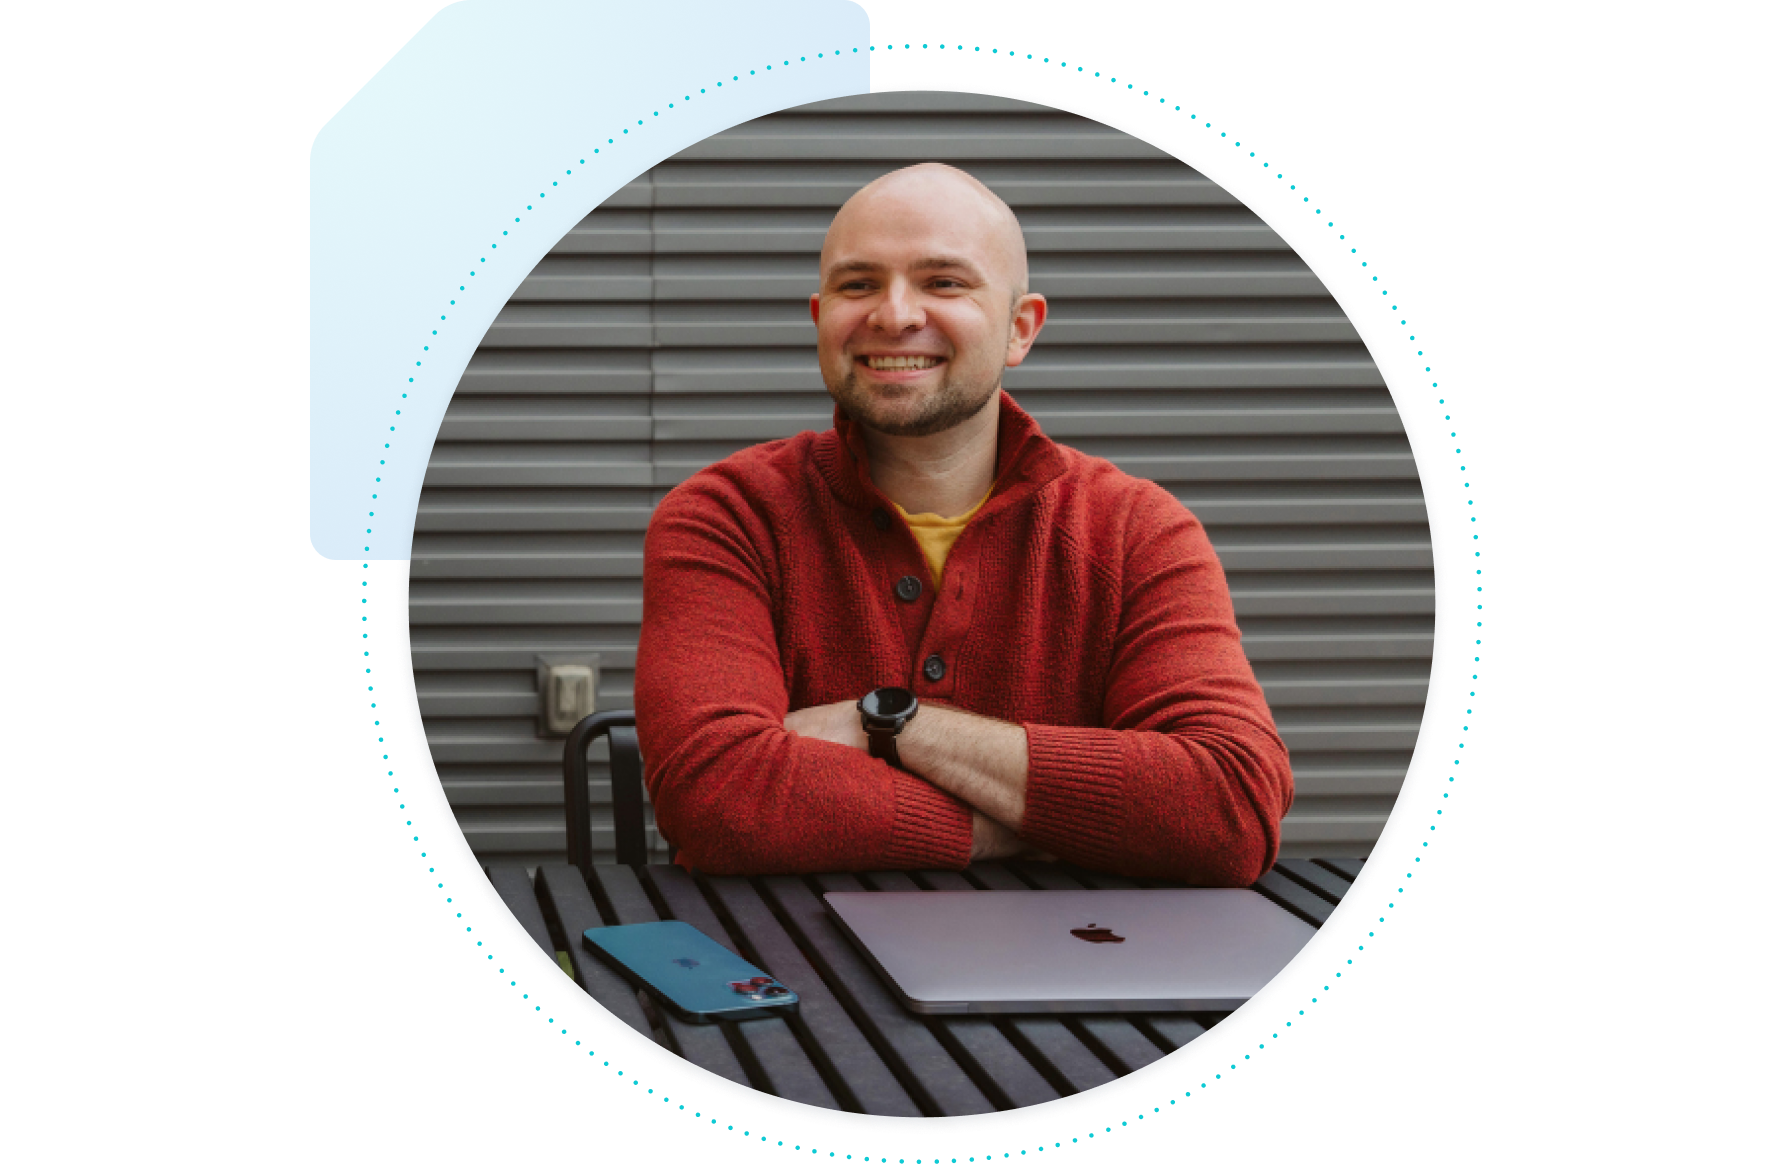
{"type": "Point", "coordinates": [627, 801]}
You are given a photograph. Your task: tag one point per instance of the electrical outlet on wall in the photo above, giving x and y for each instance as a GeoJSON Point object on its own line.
{"type": "Point", "coordinates": [567, 686]}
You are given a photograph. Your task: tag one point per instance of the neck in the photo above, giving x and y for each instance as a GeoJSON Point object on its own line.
{"type": "Point", "coordinates": [943, 473]}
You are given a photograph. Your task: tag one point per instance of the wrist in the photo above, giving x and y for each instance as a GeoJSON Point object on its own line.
{"type": "Point", "coordinates": [884, 715]}
{"type": "Point", "coordinates": [931, 724]}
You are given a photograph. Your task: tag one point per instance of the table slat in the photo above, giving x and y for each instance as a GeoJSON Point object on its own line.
{"type": "Point", "coordinates": [705, 1045]}
{"type": "Point", "coordinates": [513, 886]}
{"type": "Point", "coordinates": [568, 901]}
{"type": "Point", "coordinates": [1056, 1052]}
{"type": "Point", "coordinates": [993, 876]}
{"type": "Point", "coordinates": [1000, 1069]}
{"type": "Point", "coordinates": [1326, 884]}
{"type": "Point", "coordinates": [1289, 895]}
{"type": "Point", "coordinates": [910, 1049]}
{"type": "Point", "coordinates": [850, 1063]}
{"type": "Point", "coordinates": [770, 1045]}
{"type": "Point", "coordinates": [1046, 876]}
{"type": "Point", "coordinates": [884, 880]}
{"type": "Point", "coordinates": [1170, 1032]}
{"type": "Point", "coordinates": [623, 891]}
{"type": "Point", "coordinates": [1346, 869]}
{"type": "Point", "coordinates": [1120, 1045]}
{"type": "Point", "coordinates": [1101, 881]}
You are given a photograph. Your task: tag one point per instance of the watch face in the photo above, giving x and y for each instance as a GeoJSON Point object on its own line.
{"type": "Point", "coordinates": [889, 704]}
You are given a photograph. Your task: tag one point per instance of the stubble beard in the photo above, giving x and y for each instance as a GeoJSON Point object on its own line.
{"type": "Point", "coordinates": [952, 404]}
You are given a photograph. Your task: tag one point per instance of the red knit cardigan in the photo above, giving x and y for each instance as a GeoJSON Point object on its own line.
{"type": "Point", "coordinates": [1080, 603]}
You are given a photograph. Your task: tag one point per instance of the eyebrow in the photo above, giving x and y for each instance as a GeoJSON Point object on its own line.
{"type": "Point", "coordinates": [930, 263]}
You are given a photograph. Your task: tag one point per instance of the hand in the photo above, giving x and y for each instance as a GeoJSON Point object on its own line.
{"type": "Point", "coordinates": [837, 722]}
{"type": "Point", "coordinates": [991, 839]}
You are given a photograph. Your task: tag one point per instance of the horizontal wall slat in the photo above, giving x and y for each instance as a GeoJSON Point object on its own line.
{"type": "Point", "coordinates": [1021, 184]}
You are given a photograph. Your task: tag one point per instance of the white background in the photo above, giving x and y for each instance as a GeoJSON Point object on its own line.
{"type": "Point", "coordinates": [212, 303]}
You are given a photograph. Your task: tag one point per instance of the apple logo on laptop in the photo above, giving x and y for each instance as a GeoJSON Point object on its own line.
{"type": "Point", "coordinates": [1094, 934]}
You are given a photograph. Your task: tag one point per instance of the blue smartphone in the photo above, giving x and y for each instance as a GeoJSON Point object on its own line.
{"type": "Point", "coordinates": [694, 976]}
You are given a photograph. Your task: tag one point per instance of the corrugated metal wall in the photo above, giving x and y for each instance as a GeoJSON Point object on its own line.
{"type": "Point", "coordinates": [1186, 343]}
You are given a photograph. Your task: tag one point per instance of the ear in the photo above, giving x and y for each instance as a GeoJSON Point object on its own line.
{"type": "Point", "coordinates": [1023, 329]}
{"type": "Point", "coordinates": [815, 307]}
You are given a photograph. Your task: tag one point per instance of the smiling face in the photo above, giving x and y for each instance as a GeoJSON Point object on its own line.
{"type": "Point", "coordinates": [923, 301]}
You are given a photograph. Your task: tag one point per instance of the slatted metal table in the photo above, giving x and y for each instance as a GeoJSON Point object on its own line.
{"type": "Point", "coordinates": [852, 1046]}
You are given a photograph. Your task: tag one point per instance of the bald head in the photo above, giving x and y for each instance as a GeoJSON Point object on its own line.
{"type": "Point", "coordinates": [932, 193]}
{"type": "Point", "coordinates": [923, 303]}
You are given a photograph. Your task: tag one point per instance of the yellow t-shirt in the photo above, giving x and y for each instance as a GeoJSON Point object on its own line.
{"type": "Point", "coordinates": [936, 535]}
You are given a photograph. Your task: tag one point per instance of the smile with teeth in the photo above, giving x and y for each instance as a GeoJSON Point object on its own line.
{"type": "Point", "coordinates": [901, 363]}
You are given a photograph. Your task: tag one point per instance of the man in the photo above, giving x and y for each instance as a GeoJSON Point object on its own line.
{"type": "Point", "coordinates": [1054, 668]}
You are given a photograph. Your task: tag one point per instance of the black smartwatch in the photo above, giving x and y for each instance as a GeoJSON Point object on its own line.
{"type": "Point", "coordinates": [883, 714]}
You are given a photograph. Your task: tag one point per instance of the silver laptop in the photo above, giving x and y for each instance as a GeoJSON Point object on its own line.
{"type": "Point", "coordinates": [1150, 950]}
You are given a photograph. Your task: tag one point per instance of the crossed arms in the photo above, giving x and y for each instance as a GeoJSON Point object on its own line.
{"type": "Point", "coordinates": [979, 760]}
{"type": "Point", "coordinates": [756, 764]}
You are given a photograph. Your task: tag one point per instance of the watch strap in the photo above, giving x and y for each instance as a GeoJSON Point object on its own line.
{"type": "Point", "coordinates": [883, 745]}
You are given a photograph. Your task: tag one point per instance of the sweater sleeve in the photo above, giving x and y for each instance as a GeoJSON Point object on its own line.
{"type": "Point", "coordinates": [734, 790]}
{"type": "Point", "coordinates": [1187, 778]}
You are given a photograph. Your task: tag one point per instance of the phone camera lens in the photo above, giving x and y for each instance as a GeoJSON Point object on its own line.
{"type": "Point", "coordinates": [775, 990]}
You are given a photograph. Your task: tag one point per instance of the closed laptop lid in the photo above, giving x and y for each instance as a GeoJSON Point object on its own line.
{"type": "Point", "coordinates": [1148, 950]}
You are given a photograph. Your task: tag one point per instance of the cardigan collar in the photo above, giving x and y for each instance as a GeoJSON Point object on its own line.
{"type": "Point", "coordinates": [1026, 459]}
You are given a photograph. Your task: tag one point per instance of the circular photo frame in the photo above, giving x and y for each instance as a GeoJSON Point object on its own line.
{"type": "Point", "coordinates": [1190, 342]}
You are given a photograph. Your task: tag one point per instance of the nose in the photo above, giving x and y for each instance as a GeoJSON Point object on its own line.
{"type": "Point", "coordinates": [900, 310]}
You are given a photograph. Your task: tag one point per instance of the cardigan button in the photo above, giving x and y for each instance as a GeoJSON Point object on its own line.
{"type": "Point", "coordinates": [880, 519]}
{"type": "Point", "coordinates": [908, 589]}
{"type": "Point", "coordinates": [934, 668]}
